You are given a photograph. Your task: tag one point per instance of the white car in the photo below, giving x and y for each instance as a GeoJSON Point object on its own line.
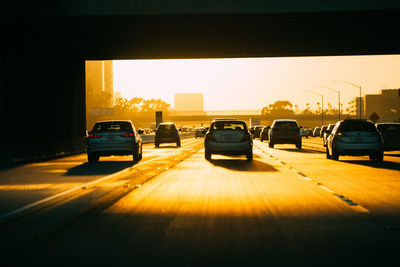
{"type": "Point", "coordinates": [228, 137]}
{"type": "Point", "coordinates": [114, 138]}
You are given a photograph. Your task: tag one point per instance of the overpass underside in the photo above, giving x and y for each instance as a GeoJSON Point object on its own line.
{"type": "Point", "coordinates": [42, 97]}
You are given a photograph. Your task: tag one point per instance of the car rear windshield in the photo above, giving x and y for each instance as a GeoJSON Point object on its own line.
{"type": "Point", "coordinates": [357, 126]}
{"type": "Point", "coordinates": [166, 127]}
{"type": "Point", "coordinates": [228, 125]}
{"type": "Point", "coordinates": [389, 127]}
{"type": "Point", "coordinates": [113, 126]}
{"type": "Point", "coordinates": [285, 124]}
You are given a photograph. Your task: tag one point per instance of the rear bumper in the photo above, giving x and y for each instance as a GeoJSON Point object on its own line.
{"type": "Point", "coordinates": [357, 149]}
{"type": "Point", "coordinates": [107, 150]}
{"type": "Point", "coordinates": [228, 148]}
{"type": "Point", "coordinates": [285, 139]}
{"type": "Point", "coordinates": [167, 140]}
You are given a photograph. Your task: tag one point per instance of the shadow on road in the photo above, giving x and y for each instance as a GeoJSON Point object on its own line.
{"type": "Point", "coordinates": [389, 165]}
{"type": "Point", "coordinates": [99, 168]}
{"type": "Point", "coordinates": [243, 165]}
{"type": "Point", "coordinates": [308, 150]}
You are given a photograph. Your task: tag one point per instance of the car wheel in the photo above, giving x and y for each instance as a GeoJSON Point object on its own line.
{"type": "Point", "coordinates": [135, 153]}
{"type": "Point", "coordinates": [335, 156]}
{"type": "Point", "coordinates": [141, 152]}
{"type": "Point", "coordinates": [372, 156]}
{"type": "Point", "coordinates": [327, 153]}
{"type": "Point", "coordinates": [379, 156]}
{"type": "Point", "coordinates": [92, 157]}
{"type": "Point", "coordinates": [298, 145]}
{"type": "Point", "coordinates": [178, 144]}
{"type": "Point", "coordinates": [157, 144]}
{"type": "Point", "coordinates": [271, 145]}
{"type": "Point", "coordinates": [249, 156]}
{"type": "Point", "coordinates": [207, 155]}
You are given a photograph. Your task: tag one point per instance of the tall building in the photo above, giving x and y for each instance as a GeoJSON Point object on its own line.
{"type": "Point", "coordinates": [356, 107]}
{"type": "Point", "coordinates": [386, 105]}
{"type": "Point", "coordinates": [99, 84]}
{"type": "Point", "coordinates": [189, 102]}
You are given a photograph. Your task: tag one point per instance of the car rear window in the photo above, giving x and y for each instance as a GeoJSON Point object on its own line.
{"type": "Point", "coordinates": [389, 127]}
{"type": "Point", "coordinates": [285, 124]}
{"type": "Point", "coordinates": [228, 125]}
{"type": "Point", "coordinates": [166, 127]}
{"type": "Point", "coordinates": [357, 126]}
{"type": "Point", "coordinates": [113, 126]}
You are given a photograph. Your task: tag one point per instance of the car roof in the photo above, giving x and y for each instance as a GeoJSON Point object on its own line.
{"type": "Point", "coordinates": [225, 119]}
{"type": "Point", "coordinates": [285, 120]}
{"type": "Point", "coordinates": [114, 121]}
{"type": "Point", "coordinates": [388, 123]}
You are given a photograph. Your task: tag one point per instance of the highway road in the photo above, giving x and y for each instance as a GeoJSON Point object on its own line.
{"type": "Point", "coordinates": [286, 207]}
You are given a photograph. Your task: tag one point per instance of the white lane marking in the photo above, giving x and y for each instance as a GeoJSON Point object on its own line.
{"type": "Point", "coordinates": [304, 177]}
{"type": "Point", "coordinates": [80, 187]}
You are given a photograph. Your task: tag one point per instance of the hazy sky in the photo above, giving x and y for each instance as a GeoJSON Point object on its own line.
{"type": "Point", "coordinates": [253, 83]}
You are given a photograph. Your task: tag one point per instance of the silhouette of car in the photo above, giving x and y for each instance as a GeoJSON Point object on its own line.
{"type": "Point", "coordinates": [113, 138]}
{"type": "Point", "coordinates": [167, 132]}
{"type": "Point", "coordinates": [264, 133]}
{"type": "Point", "coordinates": [200, 132]}
{"type": "Point", "coordinates": [228, 137]}
{"type": "Point", "coordinates": [355, 137]}
{"type": "Point", "coordinates": [285, 132]}
{"type": "Point", "coordinates": [391, 135]}
{"type": "Point", "coordinates": [316, 131]}
{"type": "Point", "coordinates": [327, 132]}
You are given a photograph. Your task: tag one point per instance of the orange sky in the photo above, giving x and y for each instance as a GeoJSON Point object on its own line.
{"type": "Point", "coordinates": [252, 83]}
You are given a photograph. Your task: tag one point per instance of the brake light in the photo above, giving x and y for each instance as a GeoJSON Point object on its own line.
{"type": "Point", "coordinates": [210, 137]}
{"type": "Point", "coordinates": [94, 136]}
{"type": "Point", "coordinates": [246, 137]}
{"type": "Point", "coordinates": [127, 135]}
{"type": "Point", "coordinates": [339, 134]}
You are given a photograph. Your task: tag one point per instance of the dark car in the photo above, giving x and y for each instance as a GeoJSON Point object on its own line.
{"type": "Point", "coordinates": [355, 138]}
{"type": "Point", "coordinates": [391, 135]}
{"type": "Point", "coordinates": [167, 132]}
{"type": "Point", "coordinates": [114, 138]}
{"type": "Point", "coordinates": [256, 131]}
{"type": "Point", "coordinates": [200, 132]}
{"type": "Point", "coordinates": [285, 132]}
{"type": "Point", "coordinates": [323, 129]}
{"type": "Point", "coordinates": [327, 132]}
{"type": "Point", "coordinates": [264, 133]}
{"type": "Point", "coordinates": [316, 131]}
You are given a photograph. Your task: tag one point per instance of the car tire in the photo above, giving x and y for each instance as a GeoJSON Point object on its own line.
{"type": "Point", "coordinates": [372, 156]}
{"type": "Point", "coordinates": [92, 157]}
{"type": "Point", "coordinates": [141, 152]}
{"type": "Point", "coordinates": [335, 155]}
{"type": "Point", "coordinates": [298, 145]}
{"type": "Point", "coordinates": [271, 145]}
{"type": "Point", "coordinates": [135, 153]}
{"type": "Point", "coordinates": [379, 156]}
{"type": "Point", "coordinates": [157, 144]}
{"type": "Point", "coordinates": [327, 153]}
{"type": "Point", "coordinates": [178, 144]}
{"type": "Point", "coordinates": [207, 155]}
{"type": "Point", "coordinates": [249, 156]}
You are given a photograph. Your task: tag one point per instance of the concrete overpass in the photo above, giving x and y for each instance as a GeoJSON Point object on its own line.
{"type": "Point", "coordinates": [45, 44]}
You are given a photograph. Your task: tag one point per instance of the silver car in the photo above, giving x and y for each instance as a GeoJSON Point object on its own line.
{"type": "Point", "coordinates": [114, 138]}
{"type": "Point", "coordinates": [228, 137]}
{"type": "Point", "coordinates": [355, 138]}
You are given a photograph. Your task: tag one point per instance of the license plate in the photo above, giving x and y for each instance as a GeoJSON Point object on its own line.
{"type": "Point", "coordinates": [111, 137]}
{"type": "Point", "coordinates": [358, 139]}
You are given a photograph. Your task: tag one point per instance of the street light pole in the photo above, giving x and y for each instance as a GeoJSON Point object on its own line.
{"type": "Point", "coordinates": [337, 91]}
{"type": "Point", "coordinates": [322, 102]}
{"type": "Point", "coordinates": [355, 85]}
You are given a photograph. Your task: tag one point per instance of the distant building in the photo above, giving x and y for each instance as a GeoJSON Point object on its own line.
{"type": "Point", "coordinates": [386, 105]}
{"type": "Point", "coordinates": [189, 102]}
{"type": "Point", "coordinates": [355, 107]}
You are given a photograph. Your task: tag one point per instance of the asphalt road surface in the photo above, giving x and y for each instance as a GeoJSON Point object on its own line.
{"type": "Point", "coordinates": [286, 207]}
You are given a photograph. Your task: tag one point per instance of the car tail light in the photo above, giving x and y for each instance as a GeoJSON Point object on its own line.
{"type": "Point", "coordinates": [127, 135]}
{"type": "Point", "coordinates": [210, 137]}
{"type": "Point", "coordinates": [246, 137]}
{"type": "Point", "coordinates": [94, 136]}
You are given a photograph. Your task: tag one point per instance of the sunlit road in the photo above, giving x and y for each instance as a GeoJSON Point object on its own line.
{"type": "Point", "coordinates": [287, 207]}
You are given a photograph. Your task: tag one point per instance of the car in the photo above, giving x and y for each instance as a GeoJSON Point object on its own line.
{"type": "Point", "coordinates": [323, 129]}
{"type": "Point", "coordinates": [256, 131]}
{"type": "Point", "coordinates": [355, 137]}
{"type": "Point", "coordinates": [167, 132]}
{"type": "Point", "coordinates": [285, 132]}
{"type": "Point", "coordinates": [306, 132]}
{"type": "Point", "coordinates": [390, 134]}
{"type": "Point", "coordinates": [228, 137]}
{"type": "Point", "coordinates": [327, 132]}
{"type": "Point", "coordinates": [316, 131]}
{"type": "Point", "coordinates": [200, 132]}
{"type": "Point", "coordinates": [117, 137]}
{"type": "Point", "coordinates": [264, 133]}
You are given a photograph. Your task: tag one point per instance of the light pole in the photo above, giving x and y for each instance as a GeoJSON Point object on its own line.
{"type": "Point", "coordinates": [322, 109]}
{"type": "Point", "coordinates": [355, 85]}
{"type": "Point", "coordinates": [334, 90]}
